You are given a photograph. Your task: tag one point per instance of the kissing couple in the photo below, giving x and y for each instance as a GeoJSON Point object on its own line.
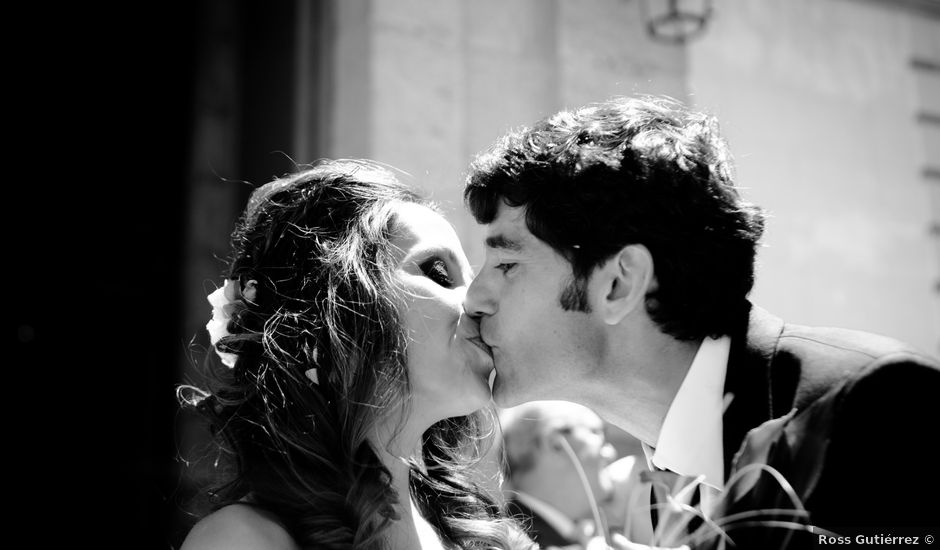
{"type": "Point", "coordinates": [351, 391]}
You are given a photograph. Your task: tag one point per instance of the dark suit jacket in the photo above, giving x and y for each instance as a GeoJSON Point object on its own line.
{"type": "Point", "coordinates": [535, 525]}
{"type": "Point", "coordinates": [882, 460]}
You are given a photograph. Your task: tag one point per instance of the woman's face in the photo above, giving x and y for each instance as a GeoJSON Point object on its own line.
{"type": "Point", "coordinates": [448, 366]}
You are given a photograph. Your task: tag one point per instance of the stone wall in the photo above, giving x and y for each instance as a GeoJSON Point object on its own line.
{"type": "Point", "coordinates": [820, 104]}
{"type": "Point", "coordinates": [445, 78]}
{"type": "Point", "coordinates": [821, 101]}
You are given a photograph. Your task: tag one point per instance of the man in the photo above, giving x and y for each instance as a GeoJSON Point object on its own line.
{"type": "Point", "coordinates": [619, 256]}
{"type": "Point", "coordinates": [541, 442]}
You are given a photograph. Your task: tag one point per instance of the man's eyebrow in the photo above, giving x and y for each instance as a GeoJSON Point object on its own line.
{"type": "Point", "coordinates": [503, 242]}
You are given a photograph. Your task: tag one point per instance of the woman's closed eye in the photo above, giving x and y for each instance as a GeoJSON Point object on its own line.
{"type": "Point", "coordinates": [436, 270]}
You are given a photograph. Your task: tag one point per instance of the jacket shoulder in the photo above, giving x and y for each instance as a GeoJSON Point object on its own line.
{"type": "Point", "coordinates": [879, 464]}
{"type": "Point", "coordinates": [846, 345]}
{"type": "Point", "coordinates": [809, 361]}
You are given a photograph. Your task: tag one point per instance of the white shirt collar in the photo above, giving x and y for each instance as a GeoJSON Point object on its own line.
{"type": "Point", "coordinates": [552, 516]}
{"type": "Point", "coordinates": [690, 442]}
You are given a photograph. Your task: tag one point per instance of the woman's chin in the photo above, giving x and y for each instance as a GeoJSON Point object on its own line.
{"type": "Point", "coordinates": [471, 394]}
{"type": "Point", "coordinates": [475, 379]}
{"type": "Point", "coordinates": [479, 395]}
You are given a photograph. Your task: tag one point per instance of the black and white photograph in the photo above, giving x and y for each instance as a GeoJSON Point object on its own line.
{"type": "Point", "coordinates": [479, 274]}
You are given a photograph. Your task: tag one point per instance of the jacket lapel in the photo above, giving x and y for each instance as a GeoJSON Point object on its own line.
{"type": "Point", "coordinates": [748, 378]}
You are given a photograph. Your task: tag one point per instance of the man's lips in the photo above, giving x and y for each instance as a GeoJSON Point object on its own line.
{"type": "Point", "coordinates": [478, 342]}
{"type": "Point", "coordinates": [484, 339]}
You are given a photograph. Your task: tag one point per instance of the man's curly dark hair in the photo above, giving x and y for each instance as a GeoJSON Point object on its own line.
{"type": "Point", "coordinates": [632, 171]}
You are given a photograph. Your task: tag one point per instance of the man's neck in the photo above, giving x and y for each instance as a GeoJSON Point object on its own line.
{"type": "Point", "coordinates": [639, 380]}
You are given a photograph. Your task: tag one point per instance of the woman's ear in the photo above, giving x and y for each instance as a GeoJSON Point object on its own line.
{"type": "Point", "coordinates": [625, 279]}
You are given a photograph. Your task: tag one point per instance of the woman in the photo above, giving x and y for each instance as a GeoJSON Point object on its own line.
{"type": "Point", "coordinates": [351, 383]}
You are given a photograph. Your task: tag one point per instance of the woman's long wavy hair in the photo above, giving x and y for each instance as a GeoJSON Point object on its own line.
{"type": "Point", "coordinates": [317, 247]}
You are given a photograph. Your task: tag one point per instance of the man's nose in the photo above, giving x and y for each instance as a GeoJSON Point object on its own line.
{"type": "Point", "coordinates": [479, 299]}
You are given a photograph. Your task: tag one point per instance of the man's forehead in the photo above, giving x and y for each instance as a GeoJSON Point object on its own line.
{"type": "Point", "coordinates": [508, 229]}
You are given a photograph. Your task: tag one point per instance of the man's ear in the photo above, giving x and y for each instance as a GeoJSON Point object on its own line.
{"type": "Point", "coordinates": [625, 279]}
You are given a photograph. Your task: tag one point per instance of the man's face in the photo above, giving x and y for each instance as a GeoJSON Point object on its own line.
{"type": "Point", "coordinates": [540, 350]}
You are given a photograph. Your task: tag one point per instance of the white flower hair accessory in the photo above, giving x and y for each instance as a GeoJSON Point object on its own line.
{"type": "Point", "coordinates": [223, 304]}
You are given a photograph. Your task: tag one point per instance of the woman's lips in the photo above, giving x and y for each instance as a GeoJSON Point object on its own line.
{"type": "Point", "coordinates": [486, 366]}
{"type": "Point", "coordinates": [469, 329]}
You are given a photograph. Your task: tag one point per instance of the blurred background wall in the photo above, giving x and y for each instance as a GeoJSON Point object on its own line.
{"type": "Point", "coordinates": [832, 110]}
{"type": "Point", "coordinates": [831, 107]}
